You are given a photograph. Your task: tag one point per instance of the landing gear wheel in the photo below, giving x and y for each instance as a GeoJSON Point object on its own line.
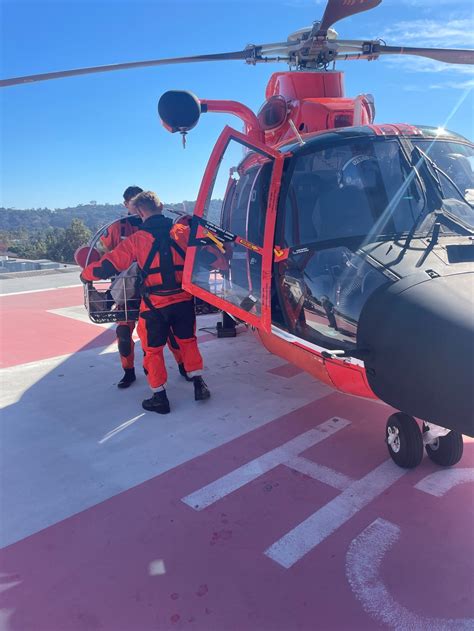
{"type": "Point", "coordinates": [404, 440]}
{"type": "Point", "coordinates": [446, 450]}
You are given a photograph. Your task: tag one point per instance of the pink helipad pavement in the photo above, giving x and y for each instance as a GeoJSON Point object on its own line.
{"type": "Point", "coordinates": [274, 506]}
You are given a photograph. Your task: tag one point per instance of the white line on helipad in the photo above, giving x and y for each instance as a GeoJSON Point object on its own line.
{"type": "Point", "coordinates": [363, 561]}
{"type": "Point", "coordinates": [37, 291]}
{"type": "Point", "coordinates": [309, 533]}
{"type": "Point", "coordinates": [238, 478]}
{"type": "Point", "coordinates": [440, 482]}
{"type": "Point", "coordinates": [320, 472]}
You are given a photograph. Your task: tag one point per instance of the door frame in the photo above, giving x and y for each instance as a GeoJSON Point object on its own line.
{"type": "Point", "coordinates": [264, 321]}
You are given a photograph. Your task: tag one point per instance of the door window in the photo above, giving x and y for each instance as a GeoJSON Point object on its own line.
{"type": "Point", "coordinates": [236, 206]}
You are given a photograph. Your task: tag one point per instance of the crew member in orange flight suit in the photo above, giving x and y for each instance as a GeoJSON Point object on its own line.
{"type": "Point", "coordinates": [159, 248]}
{"type": "Point", "coordinates": [114, 235]}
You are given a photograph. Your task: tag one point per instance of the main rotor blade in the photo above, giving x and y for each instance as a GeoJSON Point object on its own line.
{"type": "Point", "coordinates": [242, 54]}
{"type": "Point", "coordinates": [338, 9]}
{"type": "Point", "coordinates": [448, 55]}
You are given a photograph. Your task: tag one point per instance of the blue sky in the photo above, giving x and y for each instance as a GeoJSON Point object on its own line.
{"type": "Point", "coordinates": [69, 141]}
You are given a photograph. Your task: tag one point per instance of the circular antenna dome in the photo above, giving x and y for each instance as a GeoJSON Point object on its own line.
{"type": "Point", "coordinates": [179, 110]}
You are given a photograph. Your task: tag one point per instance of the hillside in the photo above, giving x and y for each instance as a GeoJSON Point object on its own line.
{"type": "Point", "coordinates": [54, 234]}
{"type": "Point", "coordinates": [92, 215]}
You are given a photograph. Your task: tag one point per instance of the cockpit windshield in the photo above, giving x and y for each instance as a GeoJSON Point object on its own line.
{"type": "Point", "coordinates": [455, 162]}
{"type": "Point", "coordinates": [366, 188]}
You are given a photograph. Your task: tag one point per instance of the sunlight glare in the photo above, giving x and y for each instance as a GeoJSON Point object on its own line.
{"type": "Point", "coordinates": [120, 428]}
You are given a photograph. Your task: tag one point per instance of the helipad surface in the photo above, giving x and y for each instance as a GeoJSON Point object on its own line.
{"type": "Point", "coordinates": [273, 506]}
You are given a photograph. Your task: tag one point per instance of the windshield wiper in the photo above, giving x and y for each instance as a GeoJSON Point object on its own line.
{"type": "Point", "coordinates": [412, 173]}
{"type": "Point", "coordinates": [434, 230]}
{"type": "Point", "coordinates": [439, 215]}
{"type": "Point", "coordinates": [432, 168]}
{"type": "Point", "coordinates": [437, 170]}
{"type": "Point", "coordinates": [413, 229]}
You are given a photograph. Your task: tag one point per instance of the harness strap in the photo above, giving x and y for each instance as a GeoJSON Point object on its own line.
{"type": "Point", "coordinates": [148, 302]}
{"type": "Point", "coordinates": [157, 290]}
{"type": "Point", "coordinates": [151, 255]}
{"type": "Point", "coordinates": [167, 264]}
{"type": "Point", "coordinates": [157, 270]}
{"type": "Point", "coordinates": [177, 248]}
{"type": "Point", "coordinates": [162, 244]}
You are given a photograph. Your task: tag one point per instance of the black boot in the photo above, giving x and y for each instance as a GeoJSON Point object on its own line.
{"type": "Point", "coordinates": [183, 372]}
{"type": "Point", "coordinates": [127, 379]}
{"type": "Point", "coordinates": [201, 391]}
{"type": "Point", "coordinates": [157, 403]}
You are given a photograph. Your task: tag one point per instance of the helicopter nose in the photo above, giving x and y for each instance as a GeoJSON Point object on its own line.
{"type": "Point", "coordinates": [420, 336]}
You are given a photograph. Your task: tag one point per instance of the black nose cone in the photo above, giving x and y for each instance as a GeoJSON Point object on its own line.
{"type": "Point", "coordinates": [420, 333]}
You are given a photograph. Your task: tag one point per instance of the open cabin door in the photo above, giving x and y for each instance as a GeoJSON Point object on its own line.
{"type": "Point", "coordinates": [230, 253]}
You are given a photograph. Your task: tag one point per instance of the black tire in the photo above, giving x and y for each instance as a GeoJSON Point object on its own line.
{"type": "Point", "coordinates": [407, 448]}
{"type": "Point", "coordinates": [446, 450]}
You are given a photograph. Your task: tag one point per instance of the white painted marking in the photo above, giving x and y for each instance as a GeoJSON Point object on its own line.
{"type": "Point", "coordinates": [238, 478]}
{"type": "Point", "coordinates": [307, 535]}
{"type": "Point", "coordinates": [80, 314]}
{"type": "Point", "coordinates": [157, 568]}
{"type": "Point", "coordinates": [440, 482]}
{"type": "Point", "coordinates": [120, 428]}
{"type": "Point", "coordinates": [55, 411]}
{"type": "Point", "coordinates": [38, 291]}
{"type": "Point", "coordinates": [320, 472]}
{"type": "Point", "coordinates": [42, 365]}
{"type": "Point", "coordinates": [363, 561]}
{"type": "Point", "coordinates": [5, 615]}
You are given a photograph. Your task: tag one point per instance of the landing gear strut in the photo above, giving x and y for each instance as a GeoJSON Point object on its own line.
{"type": "Point", "coordinates": [405, 442]}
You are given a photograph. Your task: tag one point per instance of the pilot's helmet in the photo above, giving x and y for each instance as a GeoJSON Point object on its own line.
{"type": "Point", "coordinates": [361, 171]}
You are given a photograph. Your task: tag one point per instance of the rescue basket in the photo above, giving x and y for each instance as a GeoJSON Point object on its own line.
{"type": "Point", "coordinates": [101, 307]}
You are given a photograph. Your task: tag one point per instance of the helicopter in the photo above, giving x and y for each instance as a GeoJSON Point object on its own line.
{"type": "Point", "coordinates": [348, 245]}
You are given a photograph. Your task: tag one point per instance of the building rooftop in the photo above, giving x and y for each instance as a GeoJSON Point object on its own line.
{"type": "Point", "coordinates": [272, 506]}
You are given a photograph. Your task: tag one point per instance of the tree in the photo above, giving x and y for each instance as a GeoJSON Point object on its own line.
{"type": "Point", "coordinates": [5, 241]}
{"type": "Point", "coordinates": [54, 240]}
{"type": "Point", "coordinates": [75, 236]}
